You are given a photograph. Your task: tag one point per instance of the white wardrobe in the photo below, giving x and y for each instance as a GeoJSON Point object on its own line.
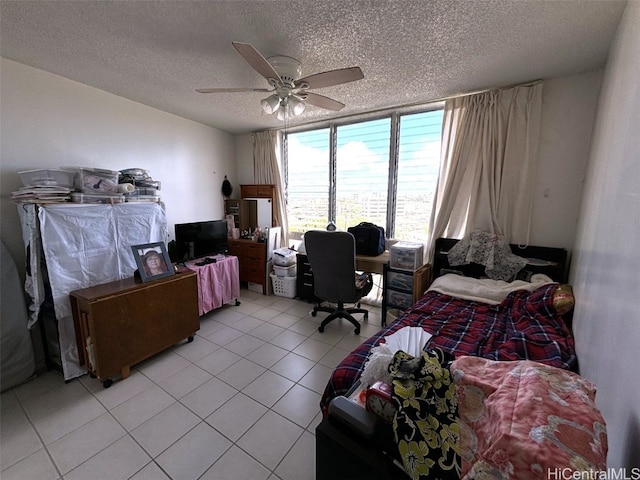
{"type": "Point", "coordinates": [72, 246]}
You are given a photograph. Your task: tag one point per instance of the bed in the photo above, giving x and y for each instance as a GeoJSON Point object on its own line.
{"type": "Point", "coordinates": [525, 328]}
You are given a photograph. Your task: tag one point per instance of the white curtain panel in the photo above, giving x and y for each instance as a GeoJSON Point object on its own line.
{"type": "Point", "coordinates": [488, 164]}
{"type": "Point", "coordinates": [267, 171]}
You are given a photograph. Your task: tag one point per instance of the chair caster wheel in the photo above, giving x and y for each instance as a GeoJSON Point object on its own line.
{"type": "Point", "coordinates": [366, 317]}
{"type": "Point", "coordinates": [107, 383]}
{"type": "Point", "coordinates": [320, 328]}
{"type": "Point", "coordinates": [357, 331]}
{"type": "Point", "coordinates": [314, 313]}
{"type": "Point", "coordinates": [190, 339]}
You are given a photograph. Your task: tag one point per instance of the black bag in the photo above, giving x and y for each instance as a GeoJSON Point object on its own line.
{"type": "Point", "coordinates": [369, 238]}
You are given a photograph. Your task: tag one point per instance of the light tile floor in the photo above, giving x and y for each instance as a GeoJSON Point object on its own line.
{"type": "Point", "coordinates": [239, 402]}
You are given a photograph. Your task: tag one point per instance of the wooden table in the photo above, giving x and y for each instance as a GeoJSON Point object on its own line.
{"type": "Point", "coordinates": [122, 323]}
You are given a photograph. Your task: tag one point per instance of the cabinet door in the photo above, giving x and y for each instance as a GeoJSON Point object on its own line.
{"type": "Point", "coordinates": [247, 191]}
{"type": "Point", "coordinates": [254, 258]}
{"type": "Point", "coordinates": [304, 282]}
{"type": "Point", "coordinates": [265, 191]}
{"type": "Point", "coordinates": [234, 248]}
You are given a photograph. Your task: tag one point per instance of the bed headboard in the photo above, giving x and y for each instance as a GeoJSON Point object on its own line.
{"type": "Point", "coordinates": [557, 259]}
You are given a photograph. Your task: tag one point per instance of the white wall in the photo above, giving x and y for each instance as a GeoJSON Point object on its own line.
{"type": "Point", "coordinates": [568, 109]}
{"type": "Point", "coordinates": [48, 121]}
{"type": "Point", "coordinates": [606, 267]}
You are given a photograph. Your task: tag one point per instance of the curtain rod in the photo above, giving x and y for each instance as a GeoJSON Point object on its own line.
{"type": "Point", "coordinates": [424, 104]}
{"type": "Point", "coordinates": [477, 92]}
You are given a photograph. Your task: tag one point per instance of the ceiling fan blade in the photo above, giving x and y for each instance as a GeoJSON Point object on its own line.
{"type": "Point", "coordinates": [332, 77]}
{"type": "Point", "coordinates": [256, 60]}
{"type": "Point", "coordinates": [322, 101]}
{"type": "Point", "coordinates": [231, 90]}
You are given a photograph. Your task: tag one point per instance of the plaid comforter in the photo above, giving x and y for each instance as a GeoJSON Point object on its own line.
{"type": "Point", "coordinates": [524, 326]}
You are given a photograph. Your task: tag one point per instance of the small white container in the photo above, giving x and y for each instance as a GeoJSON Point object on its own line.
{"type": "Point", "coordinates": [96, 180]}
{"type": "Point", "coordinates": [284, 257]}
{"type": "Point", "coordinates": [399, 299]}
{"type": "Point", "coordinates": [47, 178]}
{"type": "Point", "coordinates": [406, 256]}
{"type": "Point", "coordinates": [142, 198]}
{"type": "Point", "coordinates": [96, 198]}
{"type": "Point", "coordinates": [285, 271]}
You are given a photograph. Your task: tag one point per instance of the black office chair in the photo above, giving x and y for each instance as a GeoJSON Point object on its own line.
{"type": "Point", "coordinates": [332, 256]}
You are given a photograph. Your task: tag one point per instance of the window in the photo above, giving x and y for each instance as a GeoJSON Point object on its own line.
{"type": "Point", "coordinates": [382, 171]}
{"type": "Point", "coordinates": [418, 168]}
{"type": "Point", "coordinates": [362, 173]}
{"type": "Point", "coordinates": [308, 195]}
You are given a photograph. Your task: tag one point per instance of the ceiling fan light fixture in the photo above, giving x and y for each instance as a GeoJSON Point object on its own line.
{"type": "Point", "coordinates": [283, 113]}
{"type": "Point", "coordinates": [271, 104]}
{"type": "Point", "coordinates": [296, 106]}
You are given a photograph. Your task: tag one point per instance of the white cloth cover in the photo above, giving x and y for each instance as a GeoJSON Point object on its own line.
{"type": "Point", "coordinates": [484, 290]}
{"type": "Point", "coordinates": [33, 284]}
{"type": "Point", "coordinates": [490, 250]}
{"type": "Point", "coordinates": [86, 245]}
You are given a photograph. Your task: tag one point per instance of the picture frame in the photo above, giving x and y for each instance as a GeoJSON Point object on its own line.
{"type": "Point", "coordinates": [153, 261]}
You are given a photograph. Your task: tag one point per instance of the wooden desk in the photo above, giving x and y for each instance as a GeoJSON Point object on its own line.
{"type": "Point", "coordinates": [369, 264]}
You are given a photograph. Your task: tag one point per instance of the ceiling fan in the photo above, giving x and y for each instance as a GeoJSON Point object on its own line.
{"type": "Point", "coordinates": [289, 92]}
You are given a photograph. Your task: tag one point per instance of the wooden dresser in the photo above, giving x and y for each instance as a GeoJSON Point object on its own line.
{"type": "Point", "coordinates": [252, 257]}
{"type": "Point", "coordinates": [122, 323]}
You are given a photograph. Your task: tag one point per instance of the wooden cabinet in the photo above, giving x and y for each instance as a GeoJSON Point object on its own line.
{"type": "Point", "coordinates": [260, 198]}
{"type": "Point", "coordinates": [122, 323]}
{"type": "Point", "coordinates": [304, 281]}
{"type": "Point", "coordinates": [257, 191]}
{"type": "Point", "coordinates": [252, 257]}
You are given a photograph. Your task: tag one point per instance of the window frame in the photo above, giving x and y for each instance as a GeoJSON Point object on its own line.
{"type": "Point", "coordinates": [394, 150]}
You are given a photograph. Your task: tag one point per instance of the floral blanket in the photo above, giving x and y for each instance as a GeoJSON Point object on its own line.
{"type": "Point", "coordinates": [526, 420]}
{"type": "Point", "coordinates": [426, 424]}
{"type": "Point", "coordinates": [473, 418]}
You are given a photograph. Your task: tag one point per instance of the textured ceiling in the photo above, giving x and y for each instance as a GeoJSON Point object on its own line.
{"type": "Point", "coordinates": [411, 51]}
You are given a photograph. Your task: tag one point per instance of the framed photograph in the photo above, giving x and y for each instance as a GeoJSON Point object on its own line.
{"type": "Point", "coordinates": [153, 261]}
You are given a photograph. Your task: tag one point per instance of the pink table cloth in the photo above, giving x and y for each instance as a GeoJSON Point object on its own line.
{"type": "Point", "coordinates": [218, 283]}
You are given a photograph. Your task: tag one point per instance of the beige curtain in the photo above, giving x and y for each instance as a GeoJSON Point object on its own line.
{"type": "Point", "coordinates": [488, 164]}
{"type": "Point", "coordinates": [266, 170]}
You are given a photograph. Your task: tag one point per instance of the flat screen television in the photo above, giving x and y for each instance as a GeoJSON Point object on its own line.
{"type": "Point", "coordinates": [199, 239]}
